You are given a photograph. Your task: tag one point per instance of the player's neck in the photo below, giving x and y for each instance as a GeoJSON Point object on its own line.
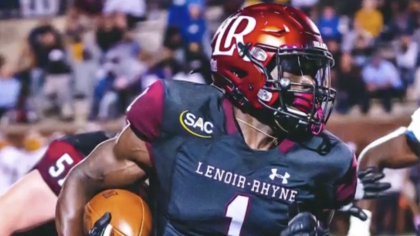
{"type": "Point", "coordinates": [257, 135]}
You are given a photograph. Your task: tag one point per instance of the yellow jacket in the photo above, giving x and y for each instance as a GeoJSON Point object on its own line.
{"type": "Point", "coordinates": [370, 20]}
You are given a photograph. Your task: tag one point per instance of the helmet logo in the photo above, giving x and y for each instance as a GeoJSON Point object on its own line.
{"type": "Point", "coordinates": [228, 32]}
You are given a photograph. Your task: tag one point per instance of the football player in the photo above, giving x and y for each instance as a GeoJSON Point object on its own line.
{"type": "Point", "coordinates": [31, 201]}
{"type": "Point", "coordinates": [247, 155]}
{"type": "Point", "coordinates": [398, 149]}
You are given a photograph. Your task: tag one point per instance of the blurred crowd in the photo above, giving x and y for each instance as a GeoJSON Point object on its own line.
{"type": "Point", "coordinates": [96, 66]}
{"type": "Point", "coordinates": [96, 61]}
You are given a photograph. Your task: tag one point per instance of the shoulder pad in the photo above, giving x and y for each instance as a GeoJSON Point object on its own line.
{"type": "Point", "coordinates": [192, 109]}
{"type": "Point", "coordinates": [338, 154]}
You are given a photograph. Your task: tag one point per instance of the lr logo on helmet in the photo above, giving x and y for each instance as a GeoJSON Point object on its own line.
{"type": "Point", "coordinates": [227, 31]}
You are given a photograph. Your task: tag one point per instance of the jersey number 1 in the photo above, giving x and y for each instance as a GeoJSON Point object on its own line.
{"type": "Point", "coordinates": [236, 210]}
{"type": "Point", "coordinates": [59, 167]}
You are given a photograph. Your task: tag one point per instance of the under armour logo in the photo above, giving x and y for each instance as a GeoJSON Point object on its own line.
{"type": "Point", "coordinates": [275, 175]}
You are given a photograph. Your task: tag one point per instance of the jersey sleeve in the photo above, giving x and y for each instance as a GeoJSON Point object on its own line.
{"type": "Point", "coordinates": [346, 188]}
{"type": "Point", "coordinates": [145, 113]}
{"type": "Point", "coordinates": [56, 163]}
{"type": "Point", "coordinates": [86, 142]}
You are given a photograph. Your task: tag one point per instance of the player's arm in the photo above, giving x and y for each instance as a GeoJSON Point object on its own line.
{"type": "Point", "coordinates": [113, 164]}
{"type": "Point", "coordinates": [398, 149]}
{"type": "Point", "coordinates": [31, 201]}
{"type": "Point", "coordinates": [391, 151]}
{"type": "Point", "coordinates": [26, 204]}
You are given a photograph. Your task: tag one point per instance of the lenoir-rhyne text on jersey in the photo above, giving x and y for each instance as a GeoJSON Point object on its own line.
{"type": "Point", "coordinates": [250, 185]}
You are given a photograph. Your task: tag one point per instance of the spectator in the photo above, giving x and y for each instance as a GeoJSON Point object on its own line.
{"type": "Point", "coordinates": [172, 39]}
{"type": "Point", "coordinates": [31, 8]}
{"type": "Point", "coordinates": [17, 158]}
{"type": "Point", "coordinates": [128, 75]}
{"type": "Point", "coordinates": [194, 29]}
{"type": "Point", "coordinates": [350, 38]}
{"type": "Point", "coordinates": [282, 1]}
{"type": "Point", "coordinates": [167, 68]}
{"type": "Point", "coordinates": [382, 81]}
{"type": "Point", "coordinates": [401, 22]}
{"type": "Point", "coordinates": [57, 77]}
{"type": "Point", "coordinates": [8, 166]}
{"type": "Point", "coordinates": [186, 25]}
{"type": "Point", "coordinates": [346, 9]}
{"type": "Point", "coordinates": [328, 25]}
{"type": "Point", "coordinates": [361, 51]}
{"type": "Point", "coordinates": [196, 62]}
{"type": "Point", "coordinates": [40, 53]}
{"type": "Point", "coordinates": [10, 89]}
{"type": "Point", "coordinates": [370, 18]}
{"type": "Point", "coordinates": [388, 8]}
{"type": "Point", "coordinates": [133, 11]}
{"type": "Point", "coordinates": [74, 38]}
{"type": "Point", "coordinates": [334, 47]}
{"type": "Point", "coordinates": [84, 58]}
{"type": "Point", "coordinates": [120, 81]}
{"type": "Point", "coordinates": [108, 34]}
{"type": "Point", "coordinates": [178, 13]}
{"type": "Point", "coordinates": [350, 86]}
{"type": "Point", "coordinates": [414, 8]}
{"type": "Point", "coordinates": [36, 43]}
{"type": "Point", "coordinates": [92, 7]}
{"type": "Point", "coordinates": [407, 53]}
{"type": "Point", "coordinates": [199, 62]}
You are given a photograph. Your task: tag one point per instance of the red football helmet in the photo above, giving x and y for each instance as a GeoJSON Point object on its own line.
{"type": "Point", "coordinates": [272, 63]}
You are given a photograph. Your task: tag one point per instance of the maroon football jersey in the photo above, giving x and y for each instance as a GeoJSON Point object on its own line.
{"type": "Point", "coordinates": [57, 162]}
{"type": "Point", "coordinates": [62, 155]}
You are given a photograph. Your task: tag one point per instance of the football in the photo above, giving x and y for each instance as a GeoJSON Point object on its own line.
{"type": "Point", "coordinates": [130, 214]}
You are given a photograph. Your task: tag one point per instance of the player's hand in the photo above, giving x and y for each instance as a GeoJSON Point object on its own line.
{"type": "Point", "coordinates": [368, 185]}
{"type": "Point", "coordinates": [100, 227]}
{"type": "Point", "coordinates": [304, 224]}
{"type": "Point", "coordinates": [354, 210]}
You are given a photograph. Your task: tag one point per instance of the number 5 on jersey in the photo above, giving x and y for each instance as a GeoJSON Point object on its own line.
{"type": "Point", "coordinates": [60, 166]}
